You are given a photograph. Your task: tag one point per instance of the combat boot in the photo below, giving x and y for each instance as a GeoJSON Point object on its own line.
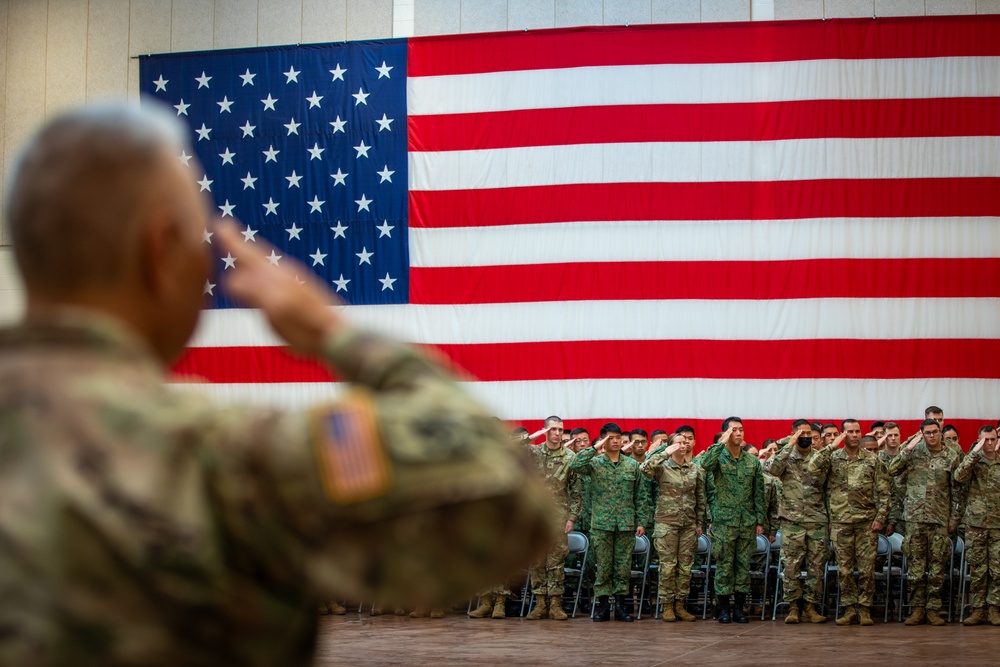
{"type": "Point", "coordinates": [933, 618]}
{"type": "Point", "coordinates": [418, 613]}
{"type": "Point", "coordinates": [539, 610]}
{"type": "Point", "coordinates": [738, 614]}
{"type": "Point", "coordinates": [377, 610]}
{"type": "Point", "coordinates": [811, 615]}
{"type": "Point", "coordinates": [977, 617]}
{"type": "Point", "coordinates": [556, 612]}
{"type": "Point", "coordinates": [603, 610]}
{"type": "Point", "coordinates": [724, 609]}
{"type": "Point", "coordinates": [621, 611]}
{"type": "Point", "coordinates": [916, 617]}
{"type": "Point", "coordinates": [668, 614]}
{"type": "Point", "coordinates": [437, 613]}
{"type": "Point", "coordinates": [793, 613]}
{"type": "Point", "coordinates": [484, 609]}
{"type": "Point", "coordinates": [682, 613]}
{"type": "Point", "coordinates": [864, 613]}
{"type": "Point", "coordinates": [500, 607]}
{"type": "Point", "coordinates": [848, 617]}
{"type": "Point", "coordinates": [336, 608]}
{"type": "Point", "coordinates": [399, 611]}
{"type": "Point", "coordinates": [994, 615]}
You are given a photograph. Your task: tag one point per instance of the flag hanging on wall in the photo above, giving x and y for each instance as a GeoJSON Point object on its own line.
{"type": "Point", "coordinates": [654, 225]}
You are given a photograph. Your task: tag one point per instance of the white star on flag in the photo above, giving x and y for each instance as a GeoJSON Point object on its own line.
{"type": "Point", "coordinates": [274, 257]}
{"type": "Point", "coordinates": [271, 206]}
{"type": "Point", "coordinates": [293, 180]}
{"type": "Point", "coordinates": [318, 257]}
{"type": "Point", "coordinates": [338, 73]}
{"type": "Point", "coordinates": [339, 178]}
{"type": "Point", "coordinates": [248, 130]}
{"type": "Point", "coordinates": [203, 132]}
{"type": "Point", "coordinates": [385, 229]}
{"type": "Point", "coordinates": [362, 149]}
{"type": "Point", "coordinates": [384, 123]}
{"type": "Point", "coordinates": [292, 75]}
{"type": "Point", "coordinates": [341, 283]}
{"type": "Point", "coordinates": [363, 203]}
{"type": "Point", "coordinates": [227, 209]}
{"type": "Point", "coordinates": [272, 155]}
{"type": "Point", "coordinates": [249, 234]}
{"type": "Point", "coordinates": [293, 127]}
{"type": "Point", "coordinates": [269, 102]}
{"type": "Point", "coordinates": [314, 100]}
{"type": "Point", "coordinates": [205, 183]}
{"type": "Point", "coordinates": [161, 84]}
{"type": "Point", "coordinates": [387, 282]}
{"type": "Point", "coordinates": [249, 181]}
{"type": "Point", "coordinates": [360, 97]}
{"type": "Point", "coordinates": [364, 257]}
{"type": "Point", "coordinates": [230, 260]}
{"type": "Point", "coordinates": [315, 153]}
{"type": "Point", "coordinates": [225, 104]}
{"type": "Point", "coordinates": [247, 78]}
{"type": "Point", "coordinates": [385, 174]}
{"type": "Point", "coordinates": [184, 158]}
{"type": "Point", "coordinates": [227, 157]}
{"type": "Point", "coordinates": [293, 232]}
{"type": "Point", "coordinates": [338, 125]}
{"type": "Point", "coordinates": [384, 70]}
{"type": "Point", "coordinates": [206, 236]}
{"type": "Point", "coordinates": [208, 288]}
{"type": "Point", "coordinates": [182, 108]}
{"type": "Point", "coordinates": [316, 205]}
{"type": "Point", "coordinates": [203, 80]}
{"type": "Point", "coordinates": [339, 230]}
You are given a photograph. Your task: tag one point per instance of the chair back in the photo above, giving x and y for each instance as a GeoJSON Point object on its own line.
{"type": "Point", "coordinates": [577, 541]}
{"type": "Point", "coordinates": [763, 545]}
{"type": "Point", "coordinates": [704, 545]}
{"type": "Point", "coordinates": [641, 545]}
{"type": "Point", "coordinates": [884, 546]}
{"type": "Point", "coordinates": [896, 542]}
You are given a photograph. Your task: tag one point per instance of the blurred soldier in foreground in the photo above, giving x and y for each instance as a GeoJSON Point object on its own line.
{"type": "Point", "coordinates": [144, 526]}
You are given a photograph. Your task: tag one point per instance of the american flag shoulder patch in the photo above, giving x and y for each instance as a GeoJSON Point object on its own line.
{"type": "Point", "coordinates": [352, 457]}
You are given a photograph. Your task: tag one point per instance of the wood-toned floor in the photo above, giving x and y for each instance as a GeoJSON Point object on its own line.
{"type": "Point", "coordinates": [457, 640]}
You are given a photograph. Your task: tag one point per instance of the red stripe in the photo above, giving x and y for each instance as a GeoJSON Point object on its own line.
{"type": "Point", "coordinates": [800, 279]}
{"type": "Point", "coordinates": [765, 121]}
{"type": "Point", "coordinates": [776, 200]}
{"type": "Point", "coordinates": [902, 37]}
{"type": "Point", "coordinates": [569, 360]}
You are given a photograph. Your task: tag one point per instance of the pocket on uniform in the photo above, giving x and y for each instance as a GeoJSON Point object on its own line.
{"type": "Point", "coordinates": [660, 530]}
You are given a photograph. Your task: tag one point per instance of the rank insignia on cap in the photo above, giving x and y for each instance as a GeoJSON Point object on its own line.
{"type": "Point", "coordinates": [353, 461]}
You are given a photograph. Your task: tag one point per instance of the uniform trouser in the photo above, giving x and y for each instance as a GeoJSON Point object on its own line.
{"type": "Point", "coordinates": [856, 546]}
{"type": "Point", "coordinates": [982, 551]}
{"type": "Point", "coordinates": [732, 548]}
{"type": "Point", "coordinates": [928, 554]}
{"type": "Point", "coordinates": [548, 577]}
{"type": "Point", "coordinates": [676, 546]}
{"type": "Point", "coordinates": [804, 547]}
{"type": "Point", "coordinates": [612, 551]}
{"type": "Point", "coordinates": [501, 589]}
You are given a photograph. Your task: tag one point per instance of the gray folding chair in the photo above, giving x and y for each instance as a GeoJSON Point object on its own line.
{"type": "Point", "coordinates": [759, 565]}
{"type": "Point", "coordinates": [642, 550]}
{"type": "Point", "coordinates": [965, 572]}
{"type": "Point", "coordinates": [896, 554]}
{"type": "Point", "coordinates": [578, 544]}
{"type": "Point", "coordinates": [703, 572]}
{"type": "Point", "coordinates": [883, 574]}
{"type": "Point", "coordinates": [957, 552]}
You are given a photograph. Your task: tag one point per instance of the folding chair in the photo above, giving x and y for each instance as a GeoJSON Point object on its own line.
{"type": "Point", "coordinates": [702, 572]}
{"type": "Point", "coordinates": [957, 551]}
{"type": "Point", "coordinates": [641, 551]}
{"type": "Point", "coordinates": [897, 555]}
{"type": "Point", "coordinates": [963, 587]}
{"type": "Point", "coordinates": [883, 574]}
{"type": "Point", "coordinates": [578, 544]}
{"type": "Point", "coordinates": [759, 565]}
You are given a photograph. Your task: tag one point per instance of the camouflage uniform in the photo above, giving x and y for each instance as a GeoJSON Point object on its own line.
{"type": "Point", "coordinates": [929, 508]}
{"type": "Point", "coordinates": [680, 511]}
{"type": "Point", "coordinates": [548, 575]}
{"type": "Point", "coordinates": [737, 508]}
{"type": "Point", "coordinates": [805, 542]}
{"type": "Point", "coordinates": [144, 525]}
{"type": "Point", "coordinates": [858, 494]}
{"type": "Point", "coordinates": [898, 491]}
{"type": "Point", "coordinates": [772, 505]}
{"type": "Point", "coordinates": [982, 518]}
{"type": "Point", "coordinates": [619, 503]}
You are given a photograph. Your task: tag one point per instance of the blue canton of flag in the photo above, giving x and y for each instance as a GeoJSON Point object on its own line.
{"type": "Point", "coordinates": [306, 147]}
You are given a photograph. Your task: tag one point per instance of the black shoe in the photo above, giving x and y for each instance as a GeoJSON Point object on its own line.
{"type": "Point", "coordinates": [723, 603]}
{"type": "Point", "coordinates": [738, 615]}
{"type": "Point", "coordinates": [603, 610]}
{"type": "Point", "coordinates": [621, 611]}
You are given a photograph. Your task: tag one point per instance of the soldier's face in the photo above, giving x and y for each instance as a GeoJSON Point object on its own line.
{"type": "Point", "coordinates": [639, 443]}
{"type": "Point", "coordinates": [990, 442]}
{"type": "Point", "coordinates": [806, 433]}
{"type": "Point", "coordinates": [555, 434]}
{"type": "Point", "coordinates": [932, 436]}
{"type": "Point", "coordinates": [582, 442]}
{"type": "Point", "coordinates": [829, 435]}
{"type": "Point", "coordinates": [878, 432]}
{"type": "Point", "coordinates": [656, 441]}
{"type": "Point", "coordinates": [817, 440]}
{"type": "Point", "coordinates": [852, 437]}
{"type": "Point", "coordinates": [690, 440]}
{"type": "Point", "coordinates": [613, 443]}
{"type": "Point", "coordinates": [892, 438]}
{"type": "Point", "coordinates": [938, 417]}
{"type": "Point", "coordinates": [953, 434]}
{"type": "Point", "coordinates": [871, 446]}
{"type": "Point", "coordinates": [737, 436]}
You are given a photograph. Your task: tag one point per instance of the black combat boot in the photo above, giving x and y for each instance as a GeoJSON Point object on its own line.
{"type": "Point", "coordinates": [621, 611]}
{"type": "Point", "coordinates": [723, 601]}
{"type": "Point", "coordinates": [738, 615]}
{"type": "Point", "coordinates": [602, 612]}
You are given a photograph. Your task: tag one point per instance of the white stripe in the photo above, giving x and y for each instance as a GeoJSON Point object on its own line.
{"type": "Point", "coordinates": [706, 241]}
{"type": "Point", "coordinates": [709, 162]}
{"type": "Point", "coordinates": [678, 398]}
{"type": "Point", "coordinates": [796, 319]}
{"type": "Point", "coordinates": [902, 78]}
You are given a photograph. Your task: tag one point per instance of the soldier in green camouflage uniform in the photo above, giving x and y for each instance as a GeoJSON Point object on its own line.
{"type": "Point", "coordinates": [619, 513]}
{"type": "Point", "coordinates": [680, 510]}
{"type": "Point", "coordinates": [980, 469]}
{"type": "Point", "coordinates": [737, 509]}
{"type": "Point", "coordinates": [805, 542]}
{"type": "Point", "coordinates": [145, 525]}
{"type": "Point", "coordinates": [857, 494]}
{"type": "Point", "coordinates": [548, 576]}
{"type": "Point", "coordinates": [931, 512]}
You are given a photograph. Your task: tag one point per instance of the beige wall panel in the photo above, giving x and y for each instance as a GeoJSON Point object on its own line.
{"type": "Point", "coordinates": [484, 15]}
{"type": "Point", "coordinates": [65, 59]}
{"type": "Point", "coordinates": [279, 22]}
{"type": "Point", "coordinates": [988, 6]}
{"type": "Point", "coordinates": [235, 24]}
{"type": "Point", "coordinates": [939, 7]}
{"type": "Point", "coordinates": [531, 14]}
{"type": "Point", "coordinates": [579, 12]}
{"type": "Point", "coordinates": [725, 10]}
{"type": "Point", "coordinates": [149, 32]}
{"type": "Point", "coordinates": [836, 9]}
{"type": "Point", "coordinates": [11, 290]}
{"type": "Point", "coordinates": [192, 25]}
{"type": "Point", "coordinates": [324, 21]}
{"type": "Point", "coordinates": [3, 97]}
{"type": "Point", "coordinates": [369, 19]}
{"type": "Point", "coordinates": [620, 12]}
{"type": "Point", "coordinates": [107, 49]}
{"type": "Point", "coordinates": [798, 9]}
{"type": "Point", "coordinates": [676, 11]}
{"type": "Point", "coordinates": [899, 7]}
{"type": "Point", "coordinates": [437, 17]}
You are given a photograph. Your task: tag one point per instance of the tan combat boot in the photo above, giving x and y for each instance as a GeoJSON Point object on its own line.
{"type": "Point", "coordinates": [556, 612]}
{"type": "Point", "coordinates": [399, 611]}
{"type": "Point", "coordinates": [915, 618]}
{"type": "Point", "coordinates": [933, 618]}
{"type": "Point", "coordinates": [377, 610]}
{"type": "Point", "coordinates": [418, 613]}
{"type": "Point", "coordinates": [848, 617]}
{"type": "Point", "coordinates": [865, 614]}
{"type": "Point", "coordinates": [336, 608]}
{"type": "Point", "coordinates": [977, 617]}
{"type": "Point", "coordinates": [667, 614]}
{"type": "Point", "coordinates": [484, 609]}
{"type": "Point", "coordinates": [811, 615]}
{"type": "Point", "coordinates": [500, 606]}
{"type": "Point", "coordinates": [539, 611]}
{"type": "Point", "coordinates": [793, 614]}
{"type": "Point", "coordinates": [437, 613]}
{"type": "Point", "coordinates": [994, 615]}
{"type": "Point", "coordinates": [682, 613]}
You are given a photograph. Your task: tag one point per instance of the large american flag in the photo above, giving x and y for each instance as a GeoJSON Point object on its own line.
{"type": "Point", "coordinates": [654, 225]}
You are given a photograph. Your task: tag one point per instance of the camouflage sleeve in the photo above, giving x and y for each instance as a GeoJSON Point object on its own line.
{"type": "Point", "coordinates": [883, 493]}
{"type": "Point", "coordinates": [581, 462]}
{"type": "Point", "coordinates": [819, 463]}
{"type": "Point", "coordinates": [710, 460]}
{"type": "Point", "coordinates": [575, 491]}
{"type": "Point", "coordinates": [778, 463]}
{"type": "Point", "coordinates": [963, 473]}
{"type": "Point", "coordinates": [900, 464]}
{"type": "Point", "coordinates": [898, 494]}
{"type": "Point", "coordinates": [641, 498]}
{"type": "Point", "coordinates": [700, 499]}
{"type": "Point", "coordinates": [651, 466]}
{"type": "Point", "coordinates": [758, 493]}
{"type": "Point", "coordinates": [959, 495]}
{"type": "Point", "coordinates": [773, 507]}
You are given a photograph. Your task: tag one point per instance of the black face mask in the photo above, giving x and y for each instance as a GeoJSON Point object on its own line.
{"type": "Point", "coordinates": [805, 441]}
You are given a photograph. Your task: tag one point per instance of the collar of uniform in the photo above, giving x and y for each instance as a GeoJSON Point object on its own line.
{"type": "Point", "coordinates": [674, 464]}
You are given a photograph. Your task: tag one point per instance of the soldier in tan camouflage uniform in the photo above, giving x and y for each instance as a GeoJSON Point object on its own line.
{"type": "Point", "coordinates": [805, 542]}
{"type": "Point", "coordinates": [980, 469]}
{"type": "Point", "coordinates": [680, 512]}
{"type": "Point", "coordinates": [145, 525]}
{"type": "Point", "coordinates": [890, 448]}
{"type": "Point", "coordinates": [857, 494]}
{"type": "Point", "coordinates": [931, 512]}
